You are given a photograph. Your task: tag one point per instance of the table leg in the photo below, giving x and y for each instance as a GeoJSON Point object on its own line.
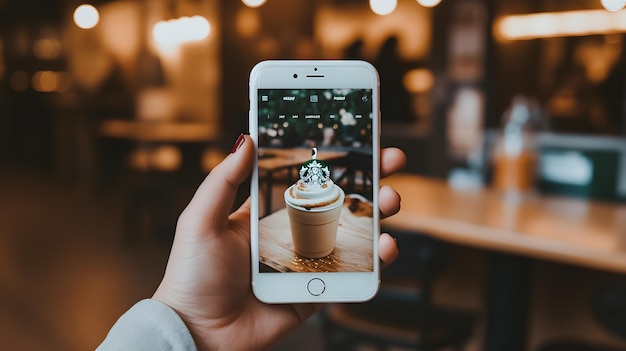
{"type": "Point", "coordinates": [268, 193]}
{"type": "Point", "coordinates": [507, 303]}
{"type": "Point", "coordinates": [290, 174]}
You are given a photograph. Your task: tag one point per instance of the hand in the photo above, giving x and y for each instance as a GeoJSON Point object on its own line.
{"type": "Point", "coordinates": [207, 279]}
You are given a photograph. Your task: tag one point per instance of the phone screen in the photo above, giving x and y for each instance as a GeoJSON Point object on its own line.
{"type": "Point", "coordinates": [316, 180]}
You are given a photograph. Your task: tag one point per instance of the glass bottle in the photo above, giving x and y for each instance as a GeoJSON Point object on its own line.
{"type": "Point", "coordinates": [515, 152]}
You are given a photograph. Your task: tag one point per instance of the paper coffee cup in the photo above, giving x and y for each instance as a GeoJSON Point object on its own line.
{"type": "Point", "coordinates": [314, 230]}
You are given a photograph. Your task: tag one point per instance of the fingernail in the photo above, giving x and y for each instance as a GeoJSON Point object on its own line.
{"type": "Point", "coordinates": [238, 143]}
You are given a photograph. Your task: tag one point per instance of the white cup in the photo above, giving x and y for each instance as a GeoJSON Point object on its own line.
{"type": "Point", "coordinates": [314, 231]}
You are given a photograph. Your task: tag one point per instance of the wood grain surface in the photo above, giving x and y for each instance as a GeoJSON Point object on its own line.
{"type": "Point", "coordinates": [563, 229]}
{"type": "Point", "coordinates": [353, 249]}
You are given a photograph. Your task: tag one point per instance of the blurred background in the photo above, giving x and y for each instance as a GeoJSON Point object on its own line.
{"type": "Point", "coordinates": [112, 112]}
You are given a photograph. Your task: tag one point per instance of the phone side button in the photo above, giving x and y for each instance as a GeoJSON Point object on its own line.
{"type": "Point", "coordinates": [316, 287]}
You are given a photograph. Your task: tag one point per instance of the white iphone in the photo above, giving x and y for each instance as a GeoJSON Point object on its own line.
{"type": "Point", "coordinates": [314, 189]}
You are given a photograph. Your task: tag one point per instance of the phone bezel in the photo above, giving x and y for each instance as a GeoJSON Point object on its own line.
{"type": "Point", "coordinates": [314, 74]}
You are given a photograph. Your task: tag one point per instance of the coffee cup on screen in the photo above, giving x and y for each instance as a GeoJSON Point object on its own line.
{"type": "Point", "coordinates": [314, 204]}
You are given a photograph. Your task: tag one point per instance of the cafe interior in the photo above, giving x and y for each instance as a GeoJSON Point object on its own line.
{"type": "Point", "coordinates": [512, 114]}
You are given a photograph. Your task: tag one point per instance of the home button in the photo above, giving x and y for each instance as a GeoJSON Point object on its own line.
{"type": "Point", "coordinates": [316, 286]}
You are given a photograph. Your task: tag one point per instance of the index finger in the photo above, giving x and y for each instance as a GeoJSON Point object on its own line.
{"type": "Point", "coordinates": [392, 160]}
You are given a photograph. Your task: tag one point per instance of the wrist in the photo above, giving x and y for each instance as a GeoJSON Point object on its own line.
{"type": "Point", "coordinates": [197, 333]}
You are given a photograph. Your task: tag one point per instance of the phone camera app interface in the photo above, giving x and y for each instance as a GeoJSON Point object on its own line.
{"type": "Point", "coordinates": [315, 180]}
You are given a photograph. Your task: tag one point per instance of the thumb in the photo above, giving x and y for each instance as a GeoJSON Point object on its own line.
{"type": "Point", "coordinates": [211, 204]}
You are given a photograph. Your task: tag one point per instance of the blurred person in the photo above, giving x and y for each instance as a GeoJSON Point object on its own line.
{"type": "Point", "coordinates": [354, 50]}
{"type": "Point", "coordinates": [394, 98]}
{"type": "Point", "coordinates": [205, 299]}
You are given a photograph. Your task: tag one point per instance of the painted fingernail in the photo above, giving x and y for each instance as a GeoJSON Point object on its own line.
{"type": "Point", "coordinates": [238, 143]}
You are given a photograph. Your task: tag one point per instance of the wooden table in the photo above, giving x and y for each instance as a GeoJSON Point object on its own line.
{"type": "Point", "coordinates": [153, 131]}
{"type": "Point", "coordinates": [273, 160]}
{"type": "Point", "coordinates": [353, 248]}
{"type": "Point", "coordinates": [567, 230]}
{"type": "Point", "coordinates": [191, 138]}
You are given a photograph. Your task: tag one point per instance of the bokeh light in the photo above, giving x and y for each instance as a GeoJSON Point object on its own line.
{"type": "Point", "coordinates": [47, 48]}
{"type": "Point", "coordinates": [613, 5]}
{"type": "Point", "coordinates": [383, 7]}
{"type": "Point", "coordinates": [429, 3]}
{"type": "Point", "coordinates": [419, 80]}
{"type": "Point", "coordinates": [86, 16]}
{"type": "Point", "coordinates": [248, 22]}
{"type": "Point", "coordinates": [559, 24]}
{"type": "Point", "coordinates": [254, 3]}
{"type": "Point", "coordinates": [51, 81]}
{"type": "Point", "coordinates": [177, 31]}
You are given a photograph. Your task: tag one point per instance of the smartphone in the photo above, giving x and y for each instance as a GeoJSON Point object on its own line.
{"type": "Point", "coordinates": [314, 188]}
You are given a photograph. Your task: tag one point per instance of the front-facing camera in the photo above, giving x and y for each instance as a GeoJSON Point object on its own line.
{"type": "Point", "coordinates": [295, 75]}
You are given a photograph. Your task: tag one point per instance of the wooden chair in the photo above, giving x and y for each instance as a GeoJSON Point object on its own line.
{"type": "Point", "coordinates": [609, 299]}
{"type": "Point", "coordinates": [609, 309]}
{"type": "Point", "coordinates": [358, 173]}
{"type": "Point", "coordinates": [402, 315]}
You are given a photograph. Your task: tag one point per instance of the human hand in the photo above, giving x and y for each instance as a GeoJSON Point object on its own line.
{"type": "Point", "coordinates": [207, 279]}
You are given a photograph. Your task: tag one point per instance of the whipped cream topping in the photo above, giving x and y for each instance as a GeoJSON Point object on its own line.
{"type": "Point", "coordinates": [301, 195]}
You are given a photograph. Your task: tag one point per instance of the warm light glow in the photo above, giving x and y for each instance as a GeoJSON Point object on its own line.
{"type": "Point", "coordinates": [181, 30]}
{"type": "Point", "coordinates": [419, 81]}
{"type": "Point", "coordinates": [254, 3]}
{"type": "Point", "coordinates": [429, 3]}
{"type": "Point", "coordinates": [47, 49]}
{"type": "Point", "coordinates": [248, 22]}
{"type": "Point", "coordinates": [559, 24]}
{"type": "Point", "coordinates": [166, 158]}
{"type": "Point", "coordinates": [339, 29]}
{"type": "Point", "coordinates": [86, 16]}
{"type": "Point", "coordinates": [613, 5]}
{"type": "Point", "coordinates": [50, 81]}
{"type": "Point", "coordinates": [211, 158]}
{"type": "Point", "coordinates": [156, 104]}
{"type": "Point", "coordinates": [383, 7]}
{"type": "Point", "coordinates": [44, 81]}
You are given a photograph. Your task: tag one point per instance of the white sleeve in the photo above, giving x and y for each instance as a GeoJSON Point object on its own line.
{"type": "Point", "coordinates": [149, 325]}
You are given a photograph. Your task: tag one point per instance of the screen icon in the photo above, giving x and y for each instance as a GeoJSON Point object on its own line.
{"type": "Point", "coordinates": [313, 98]}
{"type": "Point", "coordinates": [264, 98]}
